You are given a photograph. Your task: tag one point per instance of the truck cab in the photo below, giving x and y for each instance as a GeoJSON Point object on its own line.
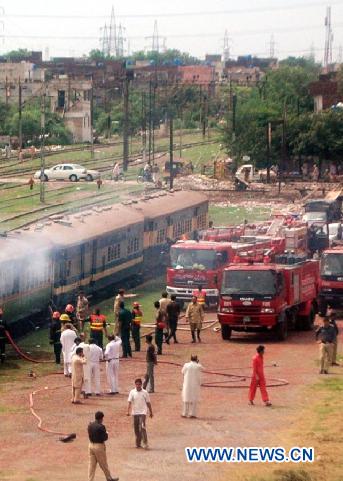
{"type": "Point", "coordinates": [331, 279]}
{"type": "Point", "coordinates": [199, 263]}
{"type": "Point", "coordinates": [268, 297]}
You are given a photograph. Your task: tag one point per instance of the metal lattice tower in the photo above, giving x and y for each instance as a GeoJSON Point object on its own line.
{"type": "Point", "coordinates": [226, 47]}
{"type": "Point", "coordinates": [328, 39]}
{"type": "Point", "coordinates": [104, 41]}
{"type": "Point", "coordinates": [120, 42]}
{"type": "Point", "coordinates": [112, 36]}
{"type": "Point", "coordinates": [272, 47]}
{"type": "Point", "coordinates": [155, 39]}
{"type": "Point", "coordinates": [312, 53]}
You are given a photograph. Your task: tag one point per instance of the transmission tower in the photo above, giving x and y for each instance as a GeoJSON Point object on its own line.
{"type": "Point", "coordinates": [157, 43]}
{"type": "Point", "coordinates": [120, 42]}
{"type": "Point", "coordinates": [272, 47]}
{"type": "Point", "coordinates": [226, 47]}
{"type": "Point", "coordinates": [328, 39]}
{"type": "Point", "coordinates": [104, 41]}
{"type": "Point", "coordinates": [312, 52]}
{"type": "Point", "coordinates": [112, 36]}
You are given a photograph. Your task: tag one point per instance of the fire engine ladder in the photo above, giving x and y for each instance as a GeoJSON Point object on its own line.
{"type": "Point", "coordinates": [275, 227]}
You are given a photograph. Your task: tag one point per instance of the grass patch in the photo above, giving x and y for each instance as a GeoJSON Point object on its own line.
{"type": "Point", "coordinates": [236, 214]}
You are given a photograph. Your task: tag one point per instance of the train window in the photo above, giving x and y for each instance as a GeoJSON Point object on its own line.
{"type": "Point", "coordinates": [201, 221]}
{"type": "Point", "coordinates": [169, 221]}
{"type": "Point", "coordinates": [149, 226]}
{"type": "Point", "coordinates": [188, 225]}
{"type": "Point", "coordinates": [133, 245]}
{"type": "Point", "coordinates": [161, 236]}
{"type": "Point", "coordinates": [113, 252]}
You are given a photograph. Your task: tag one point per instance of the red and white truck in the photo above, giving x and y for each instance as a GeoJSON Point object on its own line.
{"type": "Point", "coordinates": [202, 263]}
{"type": "Point", "coordinates": [331, 279]}
{"type": "Point", "coordinates": [269, 297]}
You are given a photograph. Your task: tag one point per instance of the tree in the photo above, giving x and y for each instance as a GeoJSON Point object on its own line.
{"type": "Point", "coordinates": [17, 54]}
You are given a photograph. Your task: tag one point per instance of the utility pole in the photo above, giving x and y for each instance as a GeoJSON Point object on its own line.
{"type": "Point", "coordinates": [269, 143]}
{"type": "Point", "coordinates": [126, 124]}
{"type": "Point", "coordinates": [144, 125]}
{"type": "Point", "coordinates": [149, 119]}
{"type": "Point", "coordinates": [153, 119]}
{"type": "Point", "coordinates": [92, 120]}
{"type": "Point", "coordinates": [19, 115]}
{"type": "Point", "coordinates": [42, 147]}
{"type": "Point", "coordinates": [171, 152]}
{"type": "Point", "coordinates": [181, 126]}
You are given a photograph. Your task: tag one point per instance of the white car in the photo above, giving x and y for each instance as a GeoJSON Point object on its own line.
{"type": "Point", "coordinates": [72, 172]}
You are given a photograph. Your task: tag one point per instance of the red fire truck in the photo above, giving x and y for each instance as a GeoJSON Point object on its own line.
{"type": "Point", "coordinates": [331, 279]}
{"type": "Point", "coordinates": [202, 263]}
{"type": "Point", "coordinates": [269, 297]}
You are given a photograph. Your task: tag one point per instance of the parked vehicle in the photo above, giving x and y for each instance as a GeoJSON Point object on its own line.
{"type": "Point", "coordinates": [269, 297]}
{"type": "Point", "coordinates": [72, 172]}
{"type": "Point", "coordinates": [331, 279]}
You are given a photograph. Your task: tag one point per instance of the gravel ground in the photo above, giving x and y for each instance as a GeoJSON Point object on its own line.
{"type": "Point", "coordinates": [225, 419]}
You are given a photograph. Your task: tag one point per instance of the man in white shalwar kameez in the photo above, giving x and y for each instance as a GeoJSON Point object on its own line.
{"type": "Point", "coordinates": [191, 387]}
{"type": "Point", "coordinates": [112, 354]}
{"type": "Point", "coordinates": [67, 341]}
{"type": "Point", "coordinates": [86, 366]}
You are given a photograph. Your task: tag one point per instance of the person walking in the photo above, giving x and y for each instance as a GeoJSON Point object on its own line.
{"type": "Point", "coordinates": [116, 172]}
{"type": "Point", "coordinates": [3, 337]}
{"type": "Point", "coordinates": [151, 361]}
{"type": "Point", "coordinates": [67, 340]}
{"type": "Point", "coordinates": [95, 356]}
{"type": "Point", "coordinates": [120, 297]}
{"type": "Point", "coordinates": [112, 354]}
{"type": "Point", "coordinates": [137, 317]}
{"type": "Point", "coordinates": [125, 321]}
{"type": "Point", "coordinates": [77, 363]}
{"type": "Point", "coordinates": [160, 325]}
{"type": "Point", "coordinates": [97, 326]}
{"type": "Point", "coordinates": [332, 320]}
{"type": "Point", "coordinates": [326, 337]}
{"type": "Point", "coordinates": [195, 317]}
{"type": "Point", "coordinates": [82, 307]}
{"type": "Point", "coordinates": [139, 404]}
{"type": "Point", "coordinates": [97, 435]}
{"type": "Point", "coordinates": [200, 294]}
{"type": "Point", "coordinates": [191, 387]}
{"type": "Point", "coordinates": [173, 313]}
{"type": "Point", "coordinates": [258, 378]}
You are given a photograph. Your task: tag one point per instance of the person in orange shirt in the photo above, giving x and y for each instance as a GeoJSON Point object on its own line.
{"type": "Point", "coordinates": [257, 378]}
{"type": "Point", "coordinates": [137, 317]}
{"type": "Point", "coordinates": [200, 294]}
{"type": "Point", "coordinates": [97, 324]}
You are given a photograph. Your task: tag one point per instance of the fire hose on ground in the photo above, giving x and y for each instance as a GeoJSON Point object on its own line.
{"type": "Point", "coordinates": [230, 378]}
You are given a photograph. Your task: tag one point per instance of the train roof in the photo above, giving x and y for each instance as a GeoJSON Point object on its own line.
{"type": "Point", "coordinates": [69, 229]}
{"type": "Point", "coordinates": [166, 203]}
{"type": "Point", "coordinates": [75, 228]}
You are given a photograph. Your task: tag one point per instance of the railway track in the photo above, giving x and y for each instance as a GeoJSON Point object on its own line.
{"type": "Point", "coordinates": [5, 173]}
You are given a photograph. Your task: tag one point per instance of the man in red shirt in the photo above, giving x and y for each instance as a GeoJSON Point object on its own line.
{"type": "Point", "coordinates": [257, 378]}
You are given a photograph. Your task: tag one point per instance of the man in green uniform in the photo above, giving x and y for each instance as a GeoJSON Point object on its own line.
{"type": "Point", "coordinates": [125, 321]}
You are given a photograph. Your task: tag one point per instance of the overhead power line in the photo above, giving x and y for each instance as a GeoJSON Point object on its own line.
{"type": "Point", "coordinates": [243, 33]}
{"type": "Point", "coordinates": [270, 8]}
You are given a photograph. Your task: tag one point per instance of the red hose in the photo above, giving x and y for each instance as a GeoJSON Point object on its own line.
{"type": "Point", "coordinates": [21, 354]}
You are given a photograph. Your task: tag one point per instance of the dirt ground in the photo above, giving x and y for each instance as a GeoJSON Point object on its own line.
{"type": "Point", "coordinates": [225, 418]}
